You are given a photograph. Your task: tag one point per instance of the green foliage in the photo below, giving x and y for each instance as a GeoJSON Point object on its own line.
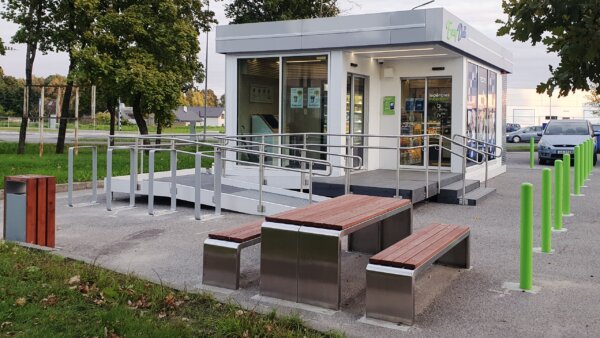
{"type": "Point", "coordinates": [103, 118]}
{"type": "Point", "coordinates": [568, 28]}
{"type": "Point", "coordinates": [196, 98]}
{"type": "Point", "coordinates": [247, 11]}
{"type": "Point", "coordinates": [34, 18]}
{"type": "Point", "coordinates": [2, 48]}
{"type": "Point", "coordinates": [11, 95]}
{"type": "Point", "coordinates": [46, 295]}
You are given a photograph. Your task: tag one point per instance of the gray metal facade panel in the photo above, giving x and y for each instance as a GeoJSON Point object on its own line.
{"type": "Point", "coordinates": [266, 44]}
{"type": "Point", "coordinates": [408, 35]}
{"type": "Point", "coordinates": [345, 23]}
{"type": "Point", "coordinates": [356, 39]}
{"type": "Point", "coordinates": [417, 17]}
{"type": "Point", "coordinates": [240, 31]}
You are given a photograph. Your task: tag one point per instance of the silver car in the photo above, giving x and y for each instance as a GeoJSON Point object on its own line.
{"type": "Point", "coordinates": [561, 137]}
{"type": "Point", "coordinates": [524, 134]}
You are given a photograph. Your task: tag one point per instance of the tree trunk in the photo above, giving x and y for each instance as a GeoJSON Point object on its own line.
{"type": "Point", "coordinates": [138, 115]}
{"type": "Point", "coordinates": [113, 113]}
{"type": "Point", "coordinates": [65, 113]}
{"type": "Point", "coordinates": [158, 131]}
{"type": "Point", "coordinates": [29, 59]}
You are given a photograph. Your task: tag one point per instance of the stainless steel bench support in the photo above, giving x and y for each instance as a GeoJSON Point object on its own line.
{"type": "Point", "coordinates": [391, 291]}
{"type": "Point", "coordinates": [376, 237]}
{"type": "Point", "coordinates": [221, 264]}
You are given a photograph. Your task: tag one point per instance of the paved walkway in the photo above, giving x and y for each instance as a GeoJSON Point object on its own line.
{"type": "Point", "coordinates": [450, 303]}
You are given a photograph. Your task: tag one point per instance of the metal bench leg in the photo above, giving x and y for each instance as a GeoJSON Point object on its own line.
{"type": "Point", "coordinates": [319, 267]}
{"type": "Point", "coordinates": [390, 294]}
{"type": "Point", "coordinates": [459, 256]}
{"type": "Point", "coordinates": [221, 265]}
{"type": "Point", "coordinates": [395, 228]}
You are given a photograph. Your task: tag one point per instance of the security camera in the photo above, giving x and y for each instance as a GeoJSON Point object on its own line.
{"type": "Point", "coordinates": [380, 62]}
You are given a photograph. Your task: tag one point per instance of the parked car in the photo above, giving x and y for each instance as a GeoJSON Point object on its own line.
{"type": "Point", "coordinates": [510, 127]}
{"type": "Point", "coordinates": [596, 131]}
{"type": "Point", "coordinates": [561, 136]}
{"type": "Point", "coordinates": [524, 134]}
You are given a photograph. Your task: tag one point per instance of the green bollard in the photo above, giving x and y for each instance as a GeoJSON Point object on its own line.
{"type": "Point", "coordinates": [526, 268]}
{"type": "Point", "coordinates": [546, 210]}
{"type": "Point", "coordinates": [586, 167]}
{"type": "Point", "coordinates": [558, 169]}
{"type": "Point", "coordinates": [567, 185]}
{"type": "Point", "coordinates": [531, 152]}
{"type": "Point", "coordinates": [576, 173]}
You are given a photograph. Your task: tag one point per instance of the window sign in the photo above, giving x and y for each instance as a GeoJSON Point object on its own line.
{"type": "Point", "coordinates": [314, 97]}
{"type": "Point", "coordinates": [389, 105]}
{"type": "Point", "coordinates": [297, 98]}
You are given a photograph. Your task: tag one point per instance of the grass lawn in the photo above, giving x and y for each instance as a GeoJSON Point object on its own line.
{"type": "Point", "coordinates": [45, 295]}
{"type": "Point", "coordinates": [57, 164]}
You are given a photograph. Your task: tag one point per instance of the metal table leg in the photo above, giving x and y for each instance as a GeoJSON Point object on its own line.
{"type": "Point", "coordinates": [278, 261]}
{"type": "Point", "coordinates": [319, 267]}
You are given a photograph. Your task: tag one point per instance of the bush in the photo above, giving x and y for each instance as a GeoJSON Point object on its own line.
{"type": "Point", "coordinates": [103, 118]}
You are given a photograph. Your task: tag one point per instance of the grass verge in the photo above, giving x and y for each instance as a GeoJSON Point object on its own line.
{"type": "Point", "coordinates": [45, 295]}
{"type": "Point", "coordinates": [57, 164]}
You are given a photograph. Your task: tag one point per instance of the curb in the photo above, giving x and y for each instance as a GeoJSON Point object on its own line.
{"type": "Point", "coordinates": [64, 187]}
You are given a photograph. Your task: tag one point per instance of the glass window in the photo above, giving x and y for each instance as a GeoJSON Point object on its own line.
{"type": "Point", "coordinates": [304, 106]}
{"type": "Point", "coordinates": [439, 115]}
{"type": "Point", "coordinates": [258, 96]}
{"type": "Point", "coordinates": [412, 120]}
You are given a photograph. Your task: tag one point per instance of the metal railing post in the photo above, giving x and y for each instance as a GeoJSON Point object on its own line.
{"type": "Point", "coordinates": [94, 175]}
{"type": "Point", "coordinates": [197, 185]}
{"type": "Point", "coordinates": [173, 179]}
{"type": "Point", "coordinates": [217, 185]}
{"type": "Point", "coordinates": [440, 147]}
{"type": "Point", "coordinates": [348, 165]}
{"type": "Point", "coordinates": [486, 169]}
{"type": "Point", "coordinates": [398, 163]}
{"type": "Point", "coordinates": [303, 164]}
{"type": "Point", "coordinates": [70, 178]}
{"type": "Point", "coordinates": [151, 182]}
{"type": "Point", "coordinates": [132, 175]}
{"type": "Point", "coordinates": [426, 166]}
{"type": "Point", "coordinates": [310, 186]}
{"type": "Point", "coordinates": [107, 186]}
{"type": "Point", "coordinates": [261, 178]}
{"type": "Point", "coordinates": [464, 172]}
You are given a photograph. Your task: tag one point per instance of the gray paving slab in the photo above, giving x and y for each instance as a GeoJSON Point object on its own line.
{"type": "Point", "coordinates": [450, 303]}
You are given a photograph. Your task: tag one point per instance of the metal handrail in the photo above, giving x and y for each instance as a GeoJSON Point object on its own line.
{"type": "Point", "coordinates": [94, 174]}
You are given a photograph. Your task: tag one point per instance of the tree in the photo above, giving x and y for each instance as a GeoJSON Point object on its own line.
{"type": "Point", "coordinates": [247, 11]}
{"type": "Point", "coordinates": [34, 18]}
{"type": "Point", "coordinates": [11, 94]}
{"type": "Point", "coordinates": [2, 48]}
{"type": "Point", "coordinates": [594, 99]}
{"type": "Point", "coordinates": [568, 28]}
{"type": "Point", "coordinates": [196, 98]}
{"type": "Point", "coordinates": [222, 101]}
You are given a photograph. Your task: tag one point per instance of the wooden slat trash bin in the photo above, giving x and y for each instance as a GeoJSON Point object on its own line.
{"type": "Point", "coordinates": [29, 209]}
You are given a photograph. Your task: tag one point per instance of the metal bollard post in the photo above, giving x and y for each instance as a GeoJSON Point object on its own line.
{"type": "Point", "coordinates": [70, 178]}
{"type": "Point", "coordinates": [576, 173]}
{"type": "Point", "coordinates": [197, 186]}
{"type": "Point", "coordinates": [526, 254]}
{"type": "Point", "coordinates": [132, 175]}
{"type": "Point", "coordinates": [94, 175]}
{"type": "Point", "coordinates": [547, 210]}
{"type": "Point", "coordinates": [567, 185]}
{"type": "Point", "coordinates": [558, 223]}
{"type": "Point", "coordinates": [531, 152]}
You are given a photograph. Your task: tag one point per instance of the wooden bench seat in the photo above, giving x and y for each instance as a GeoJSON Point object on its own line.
{"type": "Point", "coordinates": [391, 273]}
{"type": "Point", "coordinates": [222, 250]}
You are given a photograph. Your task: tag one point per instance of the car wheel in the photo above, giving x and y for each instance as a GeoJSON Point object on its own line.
{"type": "Point", "coordinates": [595, 159]}
{"type": "Point", "coordinates": [541, 161]}
{"type": "Point", "coordinates": [516, 139]}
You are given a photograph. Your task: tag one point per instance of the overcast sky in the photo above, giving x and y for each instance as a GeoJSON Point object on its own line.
{"type": "Point", "coordinates": [530, 63]}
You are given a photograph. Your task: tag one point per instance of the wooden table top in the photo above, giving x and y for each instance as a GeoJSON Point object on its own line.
{"type": "Point", "coordinates": [340, 213]}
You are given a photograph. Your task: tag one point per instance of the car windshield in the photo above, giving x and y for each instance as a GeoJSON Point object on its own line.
{"type": "Point", "coordinates": [567, 128]}
{"type": "Point", "coordinates": [596, 127]}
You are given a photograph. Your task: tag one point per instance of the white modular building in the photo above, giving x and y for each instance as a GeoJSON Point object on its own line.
{"type": "Point", "coordinates": [392, 77]}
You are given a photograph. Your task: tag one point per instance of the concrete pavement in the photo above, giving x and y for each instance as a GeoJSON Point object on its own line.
{"type": "Point", "coordinates": [450, 302]}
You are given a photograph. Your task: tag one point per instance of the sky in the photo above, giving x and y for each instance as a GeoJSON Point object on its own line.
{"type": "Point", "coordinates": [530, 63]}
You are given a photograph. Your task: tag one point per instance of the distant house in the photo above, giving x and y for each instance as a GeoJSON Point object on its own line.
{"type": "Point", "coordinates": [215, 116]}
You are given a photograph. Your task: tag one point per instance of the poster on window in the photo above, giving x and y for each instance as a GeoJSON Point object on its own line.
{"type": "Point", "coordinates": [491, 110]}
{"type": "Point", "coordinates": [482, 88]}
{"type": "Point", "coordinates": [297, 98]}
{"type": "Point", "coordinates": [314, 97]}
{"type": "Point", "coordinates": [261, 94]}
{"type": "Point", "coordinates": [471, 104]}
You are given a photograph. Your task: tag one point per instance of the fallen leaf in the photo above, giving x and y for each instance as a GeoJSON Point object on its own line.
{"type": "Point", "coordinates": [50, 300]}
{"type": "Point", "coordinates": [239, 313]}
{"type": "Point", "coordinates": [162, 315]}
{"type": "Point", "coordinates": [246, 335]}
{"type": "Point", "coordinates": [5, 324]}
{"type": "Point", "coordinates": [74, 280]}
{"type": "Point", "coordinates": [21, 301]}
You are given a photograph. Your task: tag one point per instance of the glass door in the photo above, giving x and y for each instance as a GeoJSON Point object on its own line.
{"type": "Point", "coordinates": [426, 109]}
{"type": "Point", "coordinates": [356, 112]}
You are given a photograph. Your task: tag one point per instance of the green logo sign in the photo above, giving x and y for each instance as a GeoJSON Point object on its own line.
{"type": "Point", "coordinates": [455, 32]}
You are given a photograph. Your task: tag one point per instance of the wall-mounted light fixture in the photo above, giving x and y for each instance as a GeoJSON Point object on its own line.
{"type": "Point", "coordinates": [438, 68]}
{"type": "Point", "coordinates": [352, 64]}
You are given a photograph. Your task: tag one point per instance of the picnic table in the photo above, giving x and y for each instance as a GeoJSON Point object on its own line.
{"type": "Point", "coordinates": [301, 248]}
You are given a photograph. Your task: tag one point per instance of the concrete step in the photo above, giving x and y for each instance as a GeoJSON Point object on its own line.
{"type": "Point", "coordinates": [451, 193]}
{"type": "Point", "coordinates": [478, 195]}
